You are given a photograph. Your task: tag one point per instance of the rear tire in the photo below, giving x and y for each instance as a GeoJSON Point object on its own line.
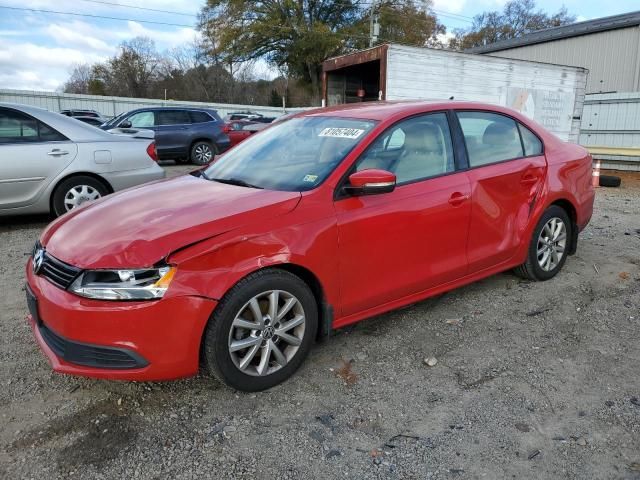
{"type": "Point", "coordinates": [549, 246]}
{"type": "Point", "coordinates": [610, 181]}
{"type": "Point", "coordinates": [261, 331]}
{"type": "Point", "coordinates": [202, 153]}
{"type": "Point", "coordinates": [75, 191]}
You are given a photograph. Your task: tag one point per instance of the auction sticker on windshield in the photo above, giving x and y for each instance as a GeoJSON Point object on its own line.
{"type": "Point", "coordinates": [341, 132]}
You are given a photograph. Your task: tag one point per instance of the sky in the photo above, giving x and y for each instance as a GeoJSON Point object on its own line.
{"type": "Point", "coordinates": [38, 50]}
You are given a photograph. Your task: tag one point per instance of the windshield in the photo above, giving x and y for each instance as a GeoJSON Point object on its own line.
{"type": "Point", "coordinates": [295, 155]}
{"type": "Point", "coordinates": [114, 120]}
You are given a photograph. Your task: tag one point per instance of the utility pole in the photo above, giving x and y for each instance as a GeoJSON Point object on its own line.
{"type": "Point", "coordinates": [374, 26]}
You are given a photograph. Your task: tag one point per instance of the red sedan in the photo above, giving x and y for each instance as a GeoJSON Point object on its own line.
{"type": "Point", "coordinates": [318, 222]}
{"type": "Point", "coordinates": [240, 130]}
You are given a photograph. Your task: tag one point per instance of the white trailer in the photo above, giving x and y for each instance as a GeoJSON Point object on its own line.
{"type": "Point", "coordinates": [553, 95]}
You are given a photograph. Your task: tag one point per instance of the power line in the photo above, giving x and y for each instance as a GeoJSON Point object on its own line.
{"type": "Point", "coordinates": [127, 5]}
{"type": "Point", "coordinates": [443, 13]}
{"type": "Point", "coordinates": [153, 22]}
{"type": "Point", "coordinates": [39, 10]}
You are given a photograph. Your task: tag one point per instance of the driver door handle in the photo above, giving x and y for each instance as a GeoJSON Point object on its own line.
{"type": "Point", "coordinates": [57, 152]}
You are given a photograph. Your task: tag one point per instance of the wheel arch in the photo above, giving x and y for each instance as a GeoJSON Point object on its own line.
{"type": "Point", "coordinates": [325, 310]}
{"type": "Point", "coordinates": [78, 174]}
{"type": "Point", "coordinates": [571, 210]}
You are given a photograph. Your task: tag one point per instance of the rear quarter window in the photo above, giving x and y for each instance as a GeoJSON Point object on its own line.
{"type": "Point", "coordinates": [532, 144]}
{"type": "Point", "coordinates": [200, 117]}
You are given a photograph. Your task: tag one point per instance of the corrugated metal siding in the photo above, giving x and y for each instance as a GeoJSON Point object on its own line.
{"type": "Point", "coordinates": [111, 106]}
{"type": "Point", "coordinates": [612, 57]}
{"type": "Point", "coordinates": [612, 120]}
{"type": "Point", "coordinates": [418, 73]}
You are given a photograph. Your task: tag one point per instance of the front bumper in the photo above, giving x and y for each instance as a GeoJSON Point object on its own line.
{"type": "Point", "coordinates": [154, 340]}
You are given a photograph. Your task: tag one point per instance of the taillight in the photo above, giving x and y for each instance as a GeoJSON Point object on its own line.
{"type": "Point", "coordinates": [151, 151]}
{"type": "Point", "coordinates": [226, 128]}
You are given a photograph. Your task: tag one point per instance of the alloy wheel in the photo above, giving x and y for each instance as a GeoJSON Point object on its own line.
{"type": "Point", "coordinates": [203, 153]}
{"type": "Point", "coordinates": [267, 332]}
{"type": "Point", "coordinates": [552, 243]}
{"type": "Point", "coordinates": [78, 195]}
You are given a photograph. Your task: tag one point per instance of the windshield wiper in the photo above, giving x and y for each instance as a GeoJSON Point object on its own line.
{"type": "Point", "coordinates": [234, 181]}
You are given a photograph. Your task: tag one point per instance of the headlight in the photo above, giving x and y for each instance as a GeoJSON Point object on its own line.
{"type": "Point", "coordinates": [147, 284]}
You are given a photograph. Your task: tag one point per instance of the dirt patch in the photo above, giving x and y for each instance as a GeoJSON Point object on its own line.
{"type": "Point", "coordinates": [93, 435]}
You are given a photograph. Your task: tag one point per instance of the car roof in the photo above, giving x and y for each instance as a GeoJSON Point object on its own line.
{"type": "Point", "coordinates": [385, 109]}
{"type": "Point", "coordinates": [202, 109]}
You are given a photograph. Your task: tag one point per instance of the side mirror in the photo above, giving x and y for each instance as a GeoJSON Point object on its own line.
{"type": "Point", "coordinates": [125, 124]}
{"type": "Point", "coordinates": [370, 182]}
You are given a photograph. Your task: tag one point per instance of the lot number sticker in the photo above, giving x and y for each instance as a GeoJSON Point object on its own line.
{"type": "Point", "coordinates": [341, 132]}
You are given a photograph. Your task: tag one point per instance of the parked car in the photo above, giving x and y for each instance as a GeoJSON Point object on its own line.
{"type": "Point", "coordinates": [247, 115]}
{"type": "Point", "coordinates": [189, 134]}
{"type": "Point", "coordinates": [52, 163]}
{"type": "Point", "coordinates": [240, 130]}
{"type": "Point", "coordinates": [317, 223]}
{"type": "Point", "coordinates": [85, 114]}
{"type": "Point", "coordinates": [81, 113]}
{"type": "Point", "coordinates": [96, 122]}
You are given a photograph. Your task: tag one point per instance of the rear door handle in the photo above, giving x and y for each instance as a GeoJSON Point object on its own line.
{"type": "Point", "coordinates": [57, 153]}
{"type": "Point", "coordinates": [458, 198]}
{"type": "Point", "coordinates": [528, 179]}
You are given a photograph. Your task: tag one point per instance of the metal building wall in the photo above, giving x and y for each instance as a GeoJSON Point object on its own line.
{"type": "Point", "coordinates": [611, 129]}
{"type": "Point", "coordinates": [612, 57]}
{"type": "Point", "coordinates": [112, 106]}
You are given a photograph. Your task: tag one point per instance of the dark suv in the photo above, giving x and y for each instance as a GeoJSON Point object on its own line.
{"type": "Point", "coordinates": [190, 134]}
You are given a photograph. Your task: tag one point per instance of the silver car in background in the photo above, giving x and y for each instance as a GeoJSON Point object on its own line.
{"type": "Point", "coordinates": [53, 163]}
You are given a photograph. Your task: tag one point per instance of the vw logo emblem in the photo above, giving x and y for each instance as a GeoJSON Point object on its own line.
{"type": "Point", "coordinates": [38, 259]}
{"type": "Point", "coordinates": [268, 332]}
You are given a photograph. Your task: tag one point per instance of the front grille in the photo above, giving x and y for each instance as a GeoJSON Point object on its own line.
{"type": "Point", "coordinates": [91, 355]}
{"type": "Point", "coordinates": [56, 271]}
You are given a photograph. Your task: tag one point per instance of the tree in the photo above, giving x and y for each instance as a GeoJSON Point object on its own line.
{"type": "Point", "coordinates": [410, 22]}
{"type": "Point", "coordinates": [79, 79]}
{"type": "Point", "coordinates": [136, 66]}
{"type": "Point", "coordinates": [518, 18]}
{"type": "Point", "coordinates": [131, 72]}
{"type": "Point", "coordinates": [298, 34]}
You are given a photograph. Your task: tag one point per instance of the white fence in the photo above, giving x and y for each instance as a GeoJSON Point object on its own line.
{"type": "Point", "coordinates": [610, 121]}
{"type": "Point", "coordinates": [112, 106]}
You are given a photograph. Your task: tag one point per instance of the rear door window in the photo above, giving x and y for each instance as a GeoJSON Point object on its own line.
{"type": "Point", "coordinates": [490, 137]}
{"type": "Point", "coordinates": [173, 117]}
{"type": "Point", "coordinates": [17, 127]}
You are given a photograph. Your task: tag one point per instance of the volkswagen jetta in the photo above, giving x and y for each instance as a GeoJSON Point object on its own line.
{"type": "Point", "coordinates": [317, 222]}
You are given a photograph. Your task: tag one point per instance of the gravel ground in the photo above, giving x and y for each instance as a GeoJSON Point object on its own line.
{"type": "Point", "coordinates": [532, 380]}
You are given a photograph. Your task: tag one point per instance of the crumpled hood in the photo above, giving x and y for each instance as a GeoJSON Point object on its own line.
{"type": "Point", "coordinates": [140, 226]}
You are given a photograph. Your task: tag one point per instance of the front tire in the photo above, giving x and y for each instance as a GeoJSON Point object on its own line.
{"type": "Point", "coordinates": [75, 191]}
{"type": "Point", "coordinates": [261, 331]}
{"type": "Point", "coordinates": [549, 246]}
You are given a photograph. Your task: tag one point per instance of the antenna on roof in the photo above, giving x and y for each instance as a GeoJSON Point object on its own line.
{"type": "Point", "coordinates": [451, 97]}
